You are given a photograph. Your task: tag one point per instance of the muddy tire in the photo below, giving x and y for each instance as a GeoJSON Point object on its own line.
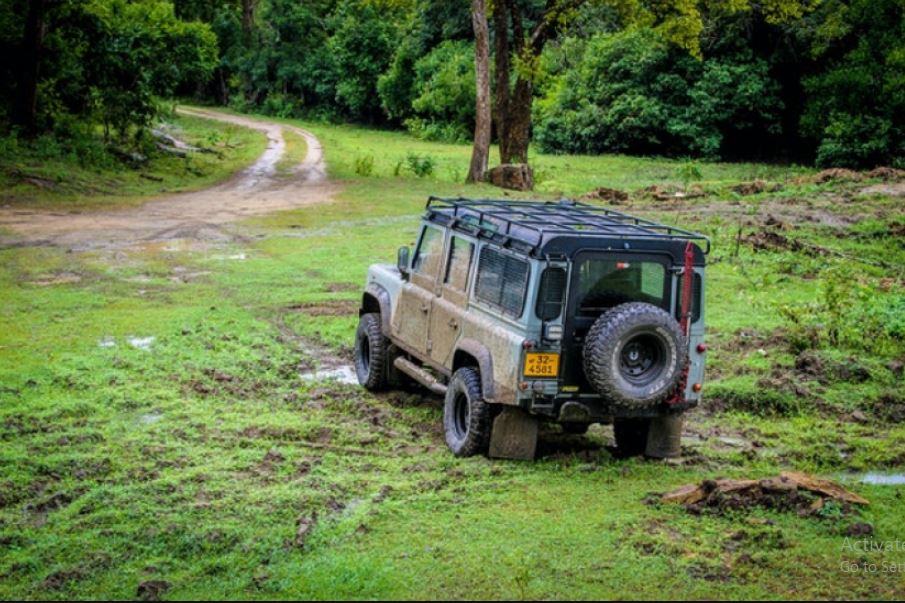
{"type": "Point", "coordinates": [371, 353]}
{"type": "Point", "coordinates": [631, 436]}
{"type": "Point", "coordinates": [396, 379]}
{"type": "Point", "coordinates": [467, 419]}
{"type": "Point", "coordinates": [634, 355]}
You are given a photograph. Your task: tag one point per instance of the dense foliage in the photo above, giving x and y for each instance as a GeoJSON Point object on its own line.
{"type": "Point", "coordinates": [100, 62]}
{"type": "Point", "coordinates": [814, 81]}
{"type": "Point", "coordinates": [632, 92]}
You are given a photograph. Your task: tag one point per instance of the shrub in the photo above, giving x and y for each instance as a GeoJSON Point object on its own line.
{"type": "Point", "coordinates": [420, 165]}
{"type": "Point", "coordinates": [364, 166]}
{"type": "Point", "coordinates": [444, 88]}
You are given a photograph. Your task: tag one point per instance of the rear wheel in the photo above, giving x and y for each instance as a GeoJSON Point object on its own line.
{"type": "Point", "coordinates": [466, 417]}
{"type": "Point", "coordinates": [371, 353]}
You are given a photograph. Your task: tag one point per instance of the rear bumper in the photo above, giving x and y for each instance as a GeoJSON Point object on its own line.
{"type": "Point", "coordinates": [593, 409]}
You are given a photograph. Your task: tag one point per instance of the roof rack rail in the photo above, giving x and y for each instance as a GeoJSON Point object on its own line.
{"type": "Point", "coordinates": [530, 224]}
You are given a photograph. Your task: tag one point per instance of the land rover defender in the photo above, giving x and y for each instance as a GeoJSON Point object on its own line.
{"type": "Point", "coordinates": [526, 311]}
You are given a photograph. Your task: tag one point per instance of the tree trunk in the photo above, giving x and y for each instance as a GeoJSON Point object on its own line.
{"type": "Point", "coordinates": [513, 108]}
{"type": "Point", "coordinates": [248, 15]}
{"type": "Point", "coordinates": [519, 126]}
{"type": "Point", "coordinates": [501, 52]}
{"type": "Point", "coordinates": [481, 149]}
{"type": "Point", "coordinates": [32, 49]}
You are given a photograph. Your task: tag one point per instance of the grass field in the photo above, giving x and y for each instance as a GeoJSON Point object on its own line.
{"type": "Point", "coordinates": [159, 428]}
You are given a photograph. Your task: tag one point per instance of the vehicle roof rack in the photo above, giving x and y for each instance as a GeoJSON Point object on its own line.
{"type": "Point", "coordinates": [528, 225]}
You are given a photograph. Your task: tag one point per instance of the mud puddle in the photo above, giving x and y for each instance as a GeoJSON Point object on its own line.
{"type": "Point", "coordinates": [878, 478]}
{"type": "Point", "coordinates": [344, 374]}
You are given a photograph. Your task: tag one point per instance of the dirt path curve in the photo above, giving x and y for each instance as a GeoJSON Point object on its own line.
{"type": "Point", "coordinates": [198, 215]}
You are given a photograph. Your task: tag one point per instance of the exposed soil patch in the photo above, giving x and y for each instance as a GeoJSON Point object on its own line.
{"type": "Point", "coordinates": [61, 278]}
{"type": "Point", "coordinates": [755, 187]}
{"type": "Point", "coordinates": [152, 590]}
{"type": "Point", "coordinates": [790, 491]}
{"type": "Point", "coordinates": [832, 175]}
{"type": "Point", "coordinates": [895, 189]}
{"type": "Point", "coordinates": [812, 365]}
{"type": "Point", "coordinates": [886, 173]}
{"type": "Point", "coordinates": [333, 307]}
{"type": "Point", "coordinates": [608, 195]}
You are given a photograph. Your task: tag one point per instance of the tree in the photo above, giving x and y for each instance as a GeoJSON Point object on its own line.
{"type": "Point", "coordinates": [518, 49]}
{"type": "Point", "coordinates": [481, 148]}
{"type": "Point", "coordinates": [33, 47]}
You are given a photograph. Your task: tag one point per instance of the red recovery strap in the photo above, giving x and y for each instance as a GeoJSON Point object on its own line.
{"type": "Point", "coordinates": [687, 278]}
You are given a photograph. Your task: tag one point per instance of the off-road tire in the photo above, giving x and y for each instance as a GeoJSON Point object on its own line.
{"type": "Point", "coordinates": [631, 436]}
{"type": "Point", "coordinates": [371, 354]}
{"type": "Point", "coordinates": [467, 419]}
{"type": "Point", "coordinates": [634, 355]}
{"type": "Point", "coordinates": [396, 379]}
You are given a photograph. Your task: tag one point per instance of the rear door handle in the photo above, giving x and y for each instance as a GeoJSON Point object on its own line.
{"type": "Point", "coordinates": [425, 308]}
{"type": "Point", "coordinates": [453, 323]}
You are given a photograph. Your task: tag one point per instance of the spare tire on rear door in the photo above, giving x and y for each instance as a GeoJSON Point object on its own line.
{"type": "Point", "coordinates": [634, 355]}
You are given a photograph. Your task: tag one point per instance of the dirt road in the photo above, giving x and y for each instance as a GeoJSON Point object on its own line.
{"type": "Point", "coordinates": [195, 216]}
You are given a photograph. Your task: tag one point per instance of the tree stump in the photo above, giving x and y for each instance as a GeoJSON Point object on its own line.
{"type": "Point", "coordinates": [514, 176]}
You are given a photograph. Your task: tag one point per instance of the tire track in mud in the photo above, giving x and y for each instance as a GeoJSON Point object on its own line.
{"type": "Point", "coordinates": [196, 218]}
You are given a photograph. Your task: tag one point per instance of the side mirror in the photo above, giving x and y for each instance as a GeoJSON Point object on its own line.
{"type": "Point", "coordinates": [402, 261]}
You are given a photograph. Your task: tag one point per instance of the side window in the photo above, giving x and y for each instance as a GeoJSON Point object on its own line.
{"type": "Point", "coordinates": [460, 252]}
{"type": "Point", "coordinates": [502, 281]}
{"type": "Point", "coordinates": [430, 252]}
{"type": "Point", "coordinates": [550, 293]}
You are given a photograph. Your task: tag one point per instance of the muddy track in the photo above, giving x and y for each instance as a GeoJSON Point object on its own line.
{"type": "Point", "coordinates": [194, 217]}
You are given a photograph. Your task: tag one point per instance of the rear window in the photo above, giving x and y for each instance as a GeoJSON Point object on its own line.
{"type": "Point", "coordinates": [502, 281]}
{"type": "Point", "coordinates": [604, 283]}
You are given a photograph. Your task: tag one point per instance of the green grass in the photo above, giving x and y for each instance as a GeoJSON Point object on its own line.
{"type": "Point", "coordinates": [294, 154]}
{"type": "Point", "coordinates": [55, 175]}
{"type": "Point", "coordinates": [194, 460]}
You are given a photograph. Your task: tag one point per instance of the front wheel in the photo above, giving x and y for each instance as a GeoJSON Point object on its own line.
{"type": "Point", "coordinates": [466, 417]}
{"type": "Point", "coordinates": [370, 353]}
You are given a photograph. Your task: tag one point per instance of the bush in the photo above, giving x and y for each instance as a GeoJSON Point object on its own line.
{"type": "Point", "coordinates": [633, 92]}
{"type": "Point", "coordinates": [419, 165]}
{"type": "Point", "coordinates": [444, 87]}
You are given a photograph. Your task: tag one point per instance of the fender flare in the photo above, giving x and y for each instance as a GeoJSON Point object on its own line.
{"type": "Point", "coordinates": [479, 352]}
{"type": "Point", "coordinates": [383, 301]}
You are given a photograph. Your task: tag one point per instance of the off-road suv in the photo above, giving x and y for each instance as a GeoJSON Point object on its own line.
{"type": "Point", "coordinates": [520, 311]}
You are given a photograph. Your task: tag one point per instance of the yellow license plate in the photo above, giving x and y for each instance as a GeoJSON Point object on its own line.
{"type": "Point", "coordinates": [539, 364]}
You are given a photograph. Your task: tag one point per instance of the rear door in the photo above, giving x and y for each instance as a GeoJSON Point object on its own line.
{"type": "Point", "coordinates": [601, 281]}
